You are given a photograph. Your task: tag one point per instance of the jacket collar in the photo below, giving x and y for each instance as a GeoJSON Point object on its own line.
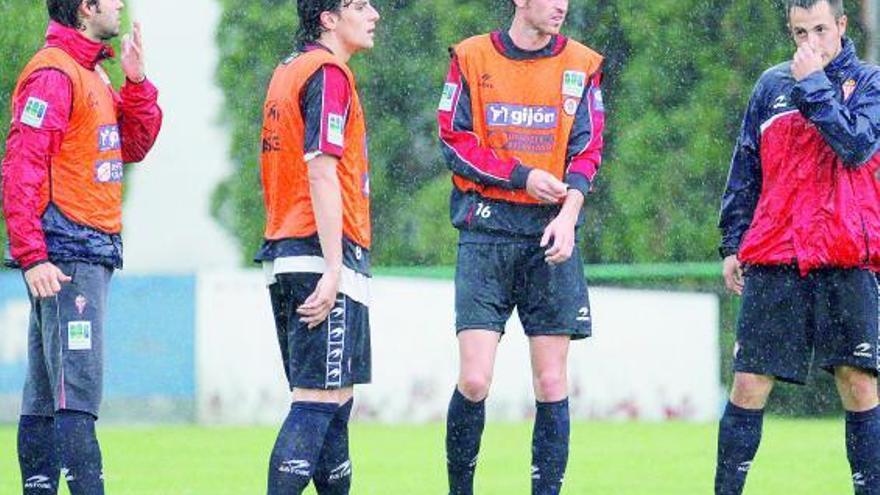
{"type": "Point", "coordinates": [505, 46]}
{"type": "Point", "coordinates": [86, 52]}
{"type": "Point", "coordinates": [843, 64]}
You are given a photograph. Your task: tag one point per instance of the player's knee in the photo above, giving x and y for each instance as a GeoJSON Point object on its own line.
{"type": "Point", "coordinates": [551, 386]}
{"type": "Point", "coordinates": [751, 391]}
{"type": "Point", "coordinates": [475, 386]}
{"type": "Point", "coordinates": [858, 389]}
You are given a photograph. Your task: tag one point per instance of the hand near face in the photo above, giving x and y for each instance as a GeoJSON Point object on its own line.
{"type": "Point", "coordinates": [805, 62]}
{"type": "Point", "coordinates": [133, 54]}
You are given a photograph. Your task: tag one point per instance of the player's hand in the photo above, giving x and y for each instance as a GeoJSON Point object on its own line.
{"type": "Point", "coordinates": [45, 279]}
{"type": "Point", "coordinates": [133, 54]}
{"type": "Point", "coordinates": [315, 309]}
{"type": "Point", "coordinates": [733, 274]}
{"type": "Point", "coordinates": [805, 62]}
{"type": "Point", "coordinates": [561, 232]}
{"type": "Point", "coordinates": [545, 187]}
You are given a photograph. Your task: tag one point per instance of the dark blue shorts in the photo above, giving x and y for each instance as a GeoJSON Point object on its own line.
{"type": "Point", "coordinates": [65, 344]}
{"type": "Point", "coordinates": [785, 320]}
{"type": "Point", "coordinates": [491, 279]}
{"type": "Point", "coordinates": [333, 355]}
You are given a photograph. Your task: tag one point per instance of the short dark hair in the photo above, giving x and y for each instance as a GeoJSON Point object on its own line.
{"type": "Point", "coordinates": [66, 12]}
{"type": "Point", "coordinates": [309, 11]}
{"type": "Point", "coordinates": [836, 6]}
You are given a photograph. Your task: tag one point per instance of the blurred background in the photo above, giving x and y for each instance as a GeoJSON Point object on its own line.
{"type": "Point", "coordinates": [190, 336]}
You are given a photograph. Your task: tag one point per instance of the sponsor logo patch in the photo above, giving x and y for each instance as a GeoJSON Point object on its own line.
{"type": "Point", "coordinates": [108, 138]}
{"type": "Point", "coordinates": [529, 117]}
{"type": "Point", "coordinates": [519, 141]}
{"type": "Point", "coordinates": [34, 112]}
{"type": "Point", "coordinates": [295, 466]}
{"type": "Point", "coordinates": [848, 87]}
{"type": "Point", "coordinates": [448, 96]}
{"type": "Point", "coordinates": [598, 102]}
{"type": "Point", "coordinates": [335, 124]}
{"type": "Point", "coordinates": [79, 335]}
{"type": "Point", "coordinates": [109, 171]}
{"type": "Point", "coordinates": [573, 83]}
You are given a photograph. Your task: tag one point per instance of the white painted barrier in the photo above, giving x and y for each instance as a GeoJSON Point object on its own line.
{"type": "Point", "coordinates": [653, 356]}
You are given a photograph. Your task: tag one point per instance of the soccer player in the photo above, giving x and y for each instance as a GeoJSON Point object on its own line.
{"type": "Point", "coordinates": [521, 120]}
{"type": "Point", "coordinates": [71, 132]}
{"type": "Point", "coordinates": [800, 221]}
{"type": "Point", "coordinates": [316, 254]}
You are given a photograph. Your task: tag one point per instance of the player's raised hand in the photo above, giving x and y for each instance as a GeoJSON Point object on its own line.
{"type": "Point", "coordinates": [45, 279]}
{"type": "Point", "coordinates": [315, 309]}
{"type": "Point", "coordinates": [805, 62]}
{"type": "Point", "coordinates": [545, 187]}
{"type": "Point", "coordinates": [133, 54]}
{"type": "Point", "coordinates": [733, 274]}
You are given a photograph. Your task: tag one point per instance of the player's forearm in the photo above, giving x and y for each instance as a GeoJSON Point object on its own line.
{"type": "Point", "coordinates": [326, 196]}
{"type": "Point", "coordinates": [140, 119]}
{"type": "Point", "coordinates": [572, 205]}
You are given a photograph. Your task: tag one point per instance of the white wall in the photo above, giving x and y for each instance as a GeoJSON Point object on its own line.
{"type": "Point", "coordinates": [168, 227]}
{"type": "Point", "coordinates": [654, 355]}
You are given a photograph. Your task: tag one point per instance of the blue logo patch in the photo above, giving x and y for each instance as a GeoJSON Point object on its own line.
{"type": "Point", "coordinates": [108, 138]}
{"type": "Point", "coordinates": [108, 171]}
{"type": "Point", "coordinates": [530, 117]}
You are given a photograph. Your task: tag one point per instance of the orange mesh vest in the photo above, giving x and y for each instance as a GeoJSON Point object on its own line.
{"type": "Point", "coordinates": [284, 170]}
{"type": "Point", "coordinates": [85, 177]}
{"type": "Point", "coordinates": [524, 108]}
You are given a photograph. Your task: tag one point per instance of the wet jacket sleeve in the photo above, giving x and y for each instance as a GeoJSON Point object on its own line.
{"type": "Point", "coordinates": [853, 132]}
{"type": "Point", "coordinates": [325, 105]}
{"type": "Point", "coordinates": [40, 116]}
{"type": "Point", "coordinates": [464, 153]}
{"type": "Point", "coordinates": [140, 119]}
{"type": "Point", "coordinates": [743, 182]}
{"type": "Point", "coordinates": [584, 154]}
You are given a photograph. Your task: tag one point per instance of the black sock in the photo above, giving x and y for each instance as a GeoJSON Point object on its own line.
{"type": "Point", "coordinates": [464, 428]}
{"type": "Point", "coordinates": [37, 455]}
{"type": "Point", "coordinates": [298, 446]}
{"type": "Point", "coordinates": [333, 473]}
{"type": "Point", "coordinates": [739, 435]}
{"type": "Point", "coordinates": [79, 452]}
{"type": "Point", "coordinates": [550, 447]}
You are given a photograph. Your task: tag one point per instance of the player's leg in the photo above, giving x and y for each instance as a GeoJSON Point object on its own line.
{"type": "Point", "coordinates": [37, 456]}
{"type": "Point", "coordinates": [333, 473]}
{"type": "Point", "coordinates": [847, 345]}
{"type": "Point", "coordinates": [554, 307]}
{"type": "Point", "coordinates": [75, 340]}
{"type": "Point", "coordinates": [466, 415]}
{"type": "Point", "coordinates": [483, 286]}
{"type": "Point", "coordinates": [314, 363]}
{"type": "Point", "coordinates": [550, 437]}
{"type": "Point", "coordinates": [776, 307]}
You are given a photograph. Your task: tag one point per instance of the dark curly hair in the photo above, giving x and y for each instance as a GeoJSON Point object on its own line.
{"type": "Point", "coordinates": [65, 12]}
{"type": "Point", "coordinates": [310, 28]}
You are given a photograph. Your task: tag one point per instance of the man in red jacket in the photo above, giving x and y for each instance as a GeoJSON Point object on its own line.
{"type": "Point", "coordinates": [800, 222]}
{"type": "Point", "coordinates": [71, 132]}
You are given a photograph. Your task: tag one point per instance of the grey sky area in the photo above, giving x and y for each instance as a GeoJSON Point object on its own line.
{"type": "Point", "coordinates": [168, 226]}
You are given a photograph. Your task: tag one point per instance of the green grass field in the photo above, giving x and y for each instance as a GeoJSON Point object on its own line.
{"type": "Point", "coordinates": [796, 458]}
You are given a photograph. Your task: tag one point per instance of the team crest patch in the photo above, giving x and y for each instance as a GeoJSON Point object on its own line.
{"type": "Point", "coordinates": [448, 97]}
{"type": "Point", "coordinates": [80, 303]}
{"type": "Point", "coordinates": [848, 87]}
{"type": "Point", "coordinates": [79, 335]}
{"type": "Point", "coordinates": [570, 106]}
{"type": "Point", "coordinates": [573, 83]}
{"type": "Point", "coordinates": [108, 171]}
{"type": "Point", "coordinates": [34, 112]}
{"type": "Point", "coordinates": [108, 138]}
{"type": "Point", "coordinates": [335, 123]}
{"type": "Point", "coordinates": [598, 101]}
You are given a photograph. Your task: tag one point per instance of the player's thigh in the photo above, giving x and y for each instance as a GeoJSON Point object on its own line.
{"type": "Point", "coordinates": [37, 397]}
{"type": "Point", "coordinates": [484, 279]}
{"type": "Point", "coordinates": [847, 324]}
{"type": "Point", "coordinates": [73, 330]}
{"type": "Point", "coordinates": [553, 299]}
{"type": "Point", "coordinates": [333, 355]}
{"type": "Point", "coordinates": [774, 327]}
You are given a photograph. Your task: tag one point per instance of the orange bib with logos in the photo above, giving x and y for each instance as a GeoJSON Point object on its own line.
{"type": "Point", "coordinates": [85, 177]}
{"type": "Point", "coordinates": [284, 170]}
{"type": "Point", "coordinates": [524, 109]}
